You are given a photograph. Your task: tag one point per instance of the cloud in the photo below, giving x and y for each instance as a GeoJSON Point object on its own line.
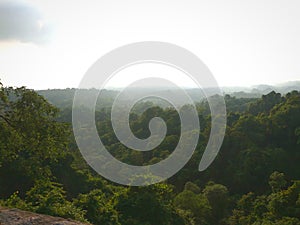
{"type": "Point", "coordinates": [21, 22]}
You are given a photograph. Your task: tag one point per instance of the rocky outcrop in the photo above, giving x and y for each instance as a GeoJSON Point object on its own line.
{"type": "Point", "coordinates": [19, 217]}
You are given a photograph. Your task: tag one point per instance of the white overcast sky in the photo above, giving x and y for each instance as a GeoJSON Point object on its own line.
{"type": "Point", "coordinates": [51, 43]}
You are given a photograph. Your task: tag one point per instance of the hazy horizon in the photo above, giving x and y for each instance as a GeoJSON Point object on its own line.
{"type": "Point", "coordinates": [252, 86]}
{"type": "Point", "coordinates": [260, 88]}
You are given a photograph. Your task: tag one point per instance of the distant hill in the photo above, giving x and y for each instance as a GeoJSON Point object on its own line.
{"type": "Point", "coordinates": [261, 89]}
{"type": "Point", "coordinates": [63, 98]}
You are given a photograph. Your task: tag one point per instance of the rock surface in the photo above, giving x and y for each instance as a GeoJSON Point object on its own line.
{"type": "Point", "coordinates": [19, 217]}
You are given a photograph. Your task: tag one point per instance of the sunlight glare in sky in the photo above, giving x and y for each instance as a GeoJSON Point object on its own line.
{"type": "Point", "coordinates": [242, 42]}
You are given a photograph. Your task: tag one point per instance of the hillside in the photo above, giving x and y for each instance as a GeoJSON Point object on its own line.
{"type": "Point", "coordinates": [255, 179]}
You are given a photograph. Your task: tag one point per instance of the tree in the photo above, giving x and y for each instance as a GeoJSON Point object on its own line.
{"type": "Point", "coordinates": [280, 207]}
{"type": "Point", "coordinates": [49, 198]}
{"type": "Point", "coordinates": [147, 206]}
{"type": "Point", "coordinates": [266, 103]}
{"type": "Point", "coordinates": [100, 209]}
{"type": "Point", "coordinates": [190, 186]}
{"type": "Point", "coordinates": [277, 181]}
{"type": "Point", "coordinates": [218, 199]}
{"type": "Point", "coordinates": [30, 139]}
{"type": "Point", "coordinates": [196, 204]}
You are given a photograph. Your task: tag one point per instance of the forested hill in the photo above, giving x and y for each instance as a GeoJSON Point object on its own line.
{"type": "Point", "coordinates": [63, 98]}
{"type": "Point", "coordinates": [255, 179]}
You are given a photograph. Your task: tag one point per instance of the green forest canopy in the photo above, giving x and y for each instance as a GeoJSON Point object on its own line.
{"type": "Point", "coordinates": [254, 180]}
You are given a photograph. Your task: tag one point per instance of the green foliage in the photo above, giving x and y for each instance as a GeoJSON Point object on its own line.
{"type": "Point", "coordinates": [41, 169]}
{"type": "Point", "coordinates": [196, 205]}
{"type": "Point", "coordinates": [31, 140]}
{"type": "Point", "coordinates": [277, 181]}
{"type": "Point", "coordinates": [190, 186]}
{"type": "Point", "coordinates": [14, 201]}
{"type": "Point", "coordinates": [280, 207]}
{"type": "Point", "coordinates": [147, 205]}
{"type": "Point", "coordinates": [266, 103]}
{"type": "Point", "coordinates": [297, 133]}
{"type": "Point", "coordinates": [99, 209]}
{"type": "Point", "coordinates": [218, 198]}
{"type": "Point", "coordinates": [47, 197]}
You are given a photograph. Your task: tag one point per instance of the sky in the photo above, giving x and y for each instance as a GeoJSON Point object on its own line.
{"type": "Point", "coordinates": [51, 44]}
